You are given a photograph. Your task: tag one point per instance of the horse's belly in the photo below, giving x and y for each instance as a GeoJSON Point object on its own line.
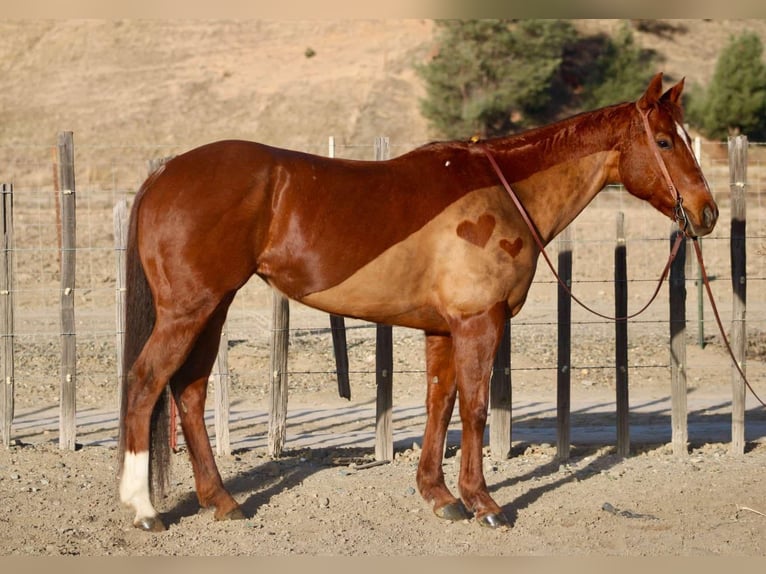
{"type": "Point", "coordinates": [424, 317]}
{"type": "Point", "coordinates": [422, 288]}
{"type": "Point", "coordinates": [396, 297]}
{"type": "Point", "coordinates": [461, 263]}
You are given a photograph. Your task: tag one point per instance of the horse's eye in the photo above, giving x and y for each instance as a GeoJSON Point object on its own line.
{"type": "Point", "coordinates": [663, 144]}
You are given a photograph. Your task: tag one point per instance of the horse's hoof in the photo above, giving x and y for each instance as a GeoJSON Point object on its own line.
{"type": "Point", "coordinates": [150, 524]}
{"type": "Point", "coordinates": [233, 514]}
{"type": "Point", "coordinates": [454, 511]}
{"type": "Point", "coordinates": [497, 520]}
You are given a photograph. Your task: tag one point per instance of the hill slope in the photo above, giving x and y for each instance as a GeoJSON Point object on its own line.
{"type": "Point", "coordinates": [183, 83]}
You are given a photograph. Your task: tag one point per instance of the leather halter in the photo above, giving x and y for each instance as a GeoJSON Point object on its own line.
{"type": "Point", "coordinates": [681, 217]}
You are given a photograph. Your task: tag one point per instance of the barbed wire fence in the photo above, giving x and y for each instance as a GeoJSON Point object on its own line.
{"type": "Point", "coordinates": [109, 175]}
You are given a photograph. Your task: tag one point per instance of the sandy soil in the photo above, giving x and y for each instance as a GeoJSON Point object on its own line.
{"type": "Point", "coordinates": [319, 502]}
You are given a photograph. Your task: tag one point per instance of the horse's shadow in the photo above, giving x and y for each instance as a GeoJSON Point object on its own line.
{"type": "Point", "coordinates": [268, 477]}
{"type": "Point", "coordinates": [262, 481]}
{"type": "Point", "coordinates": [602, 460]}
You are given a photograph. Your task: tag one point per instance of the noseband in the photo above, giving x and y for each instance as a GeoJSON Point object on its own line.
{"type": "Point", "coordinates": [680, 213]}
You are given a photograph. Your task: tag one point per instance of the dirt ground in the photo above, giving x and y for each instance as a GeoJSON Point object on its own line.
{"type": "Point", "coordinates": [314, 502]}
{"type": "Point", "coordinates": [323, 498]}
{"type": "Point", "coordinates": [317, 502]}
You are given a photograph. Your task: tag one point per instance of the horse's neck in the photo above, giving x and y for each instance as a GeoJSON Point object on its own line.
{"type": "Point", "coordinates": [557, 171]}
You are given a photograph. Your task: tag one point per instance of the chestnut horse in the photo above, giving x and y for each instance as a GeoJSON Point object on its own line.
{"type": "Point", "coordinates": [429, 240]}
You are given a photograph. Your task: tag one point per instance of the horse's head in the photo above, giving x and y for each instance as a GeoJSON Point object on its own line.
{"type": "Point", "coordinates": [657, 163]}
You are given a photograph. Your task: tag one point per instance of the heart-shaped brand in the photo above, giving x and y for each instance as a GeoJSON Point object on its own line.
{"type": "Point", "coordinates": [477, 232]}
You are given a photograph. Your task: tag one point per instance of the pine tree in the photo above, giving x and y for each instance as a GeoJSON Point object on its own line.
{"type": "Point", "coordinates": [736, 97]}
{"type": "Point", "coordinates": [492, 76]}
{"type": "Point", "coordinates": [621, 73]}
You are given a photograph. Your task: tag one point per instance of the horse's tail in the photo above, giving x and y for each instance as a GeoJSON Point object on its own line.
{"type": "Point", "coordinates": [139, 322]}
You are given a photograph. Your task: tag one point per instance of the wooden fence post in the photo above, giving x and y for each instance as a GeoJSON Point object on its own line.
{"type": "Point", "coordinates": [338, 330]}
{"type": "Point", "coordinates": [621, 338]}
{"type": "Point", "coordinates": [221, 382]}
{"type": "Point", "coordinates": [677, 296]}
{"type": "Point", "coordinates": [384, 364]}
{"type": "Point", "coordinates": [340, 349]}
{"type": "Point", "coordinates": [280, 339]}
{"type": "Point", "coordinates": [564, 370]}
{"type": "Point", "coordinates": [67, 426]}
{"type": "Point", "coordinates": [500, 422]}
{"type": "Point", "coordinates": [700, 282]}
{"type": "Point", "coordinates": [737, 184]}
{"type": "Point", "coordinates": [384, 367]}
{"type": "Point", "coordinates": [6, 314]}
{"type": "Point", "coordinates": [120, 215]}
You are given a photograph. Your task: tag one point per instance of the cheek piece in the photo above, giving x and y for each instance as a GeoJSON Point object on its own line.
{"type": "Point", "coordinates": [680, 213]}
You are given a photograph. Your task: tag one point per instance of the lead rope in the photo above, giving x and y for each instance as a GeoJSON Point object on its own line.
{"type": "Point", "coordinates": [718, 321]}
{"type": "Point", "coordinates": [681, 218]}
{"type": "Point", "coordinates": [544, 253]}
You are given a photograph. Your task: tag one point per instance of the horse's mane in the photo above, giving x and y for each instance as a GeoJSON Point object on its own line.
{"type": "Point", "coordinates": [535, 134]}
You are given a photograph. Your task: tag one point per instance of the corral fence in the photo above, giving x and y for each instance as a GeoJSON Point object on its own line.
{"type": "Point", "coordinates": [62, 286]}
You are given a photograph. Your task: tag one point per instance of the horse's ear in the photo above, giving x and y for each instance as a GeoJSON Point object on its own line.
{"type": "Point", "coordinates": [652, 94]}
{"type": "Point", "coordinates": [673, 95]}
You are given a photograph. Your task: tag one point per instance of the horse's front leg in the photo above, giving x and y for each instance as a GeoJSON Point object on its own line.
{"type": "Point", "coordinates": [475, 341]}
{"type": "Point", "coordinates": [440, 402]}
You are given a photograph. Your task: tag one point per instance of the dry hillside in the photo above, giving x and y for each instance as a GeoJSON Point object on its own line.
{"type": "Point", "coordinates": [182, 83]}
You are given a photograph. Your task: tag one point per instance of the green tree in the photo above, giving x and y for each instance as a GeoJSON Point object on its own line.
{"type": "Point", "coordinates": [621, 72]}
{"type": "Point", "coordinates": [736, 98]}
{"type": "Point", "coordinates": [492, 76]}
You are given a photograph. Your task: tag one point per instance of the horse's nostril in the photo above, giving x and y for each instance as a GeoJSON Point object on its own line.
{"type": "Point", "coordinates": [709, 216]}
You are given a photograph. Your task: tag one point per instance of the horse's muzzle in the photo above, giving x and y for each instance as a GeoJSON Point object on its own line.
{"type": "Point", "coordinates": [707, 220]}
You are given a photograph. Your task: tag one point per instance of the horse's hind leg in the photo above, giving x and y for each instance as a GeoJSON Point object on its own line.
{"type": "Point", "coordinates": [164, 352]}
{"type": "Point", "coordinates": [189, 387]}
{"type": "Point", "coordinates": [440, 402]}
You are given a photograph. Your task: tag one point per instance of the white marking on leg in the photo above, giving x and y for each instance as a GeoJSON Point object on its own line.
{"type": "Point", "coordinates": [134, 485]}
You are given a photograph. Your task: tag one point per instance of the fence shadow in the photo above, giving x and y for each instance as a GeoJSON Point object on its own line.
{"type": "Point", "coordinates": [534, 422]}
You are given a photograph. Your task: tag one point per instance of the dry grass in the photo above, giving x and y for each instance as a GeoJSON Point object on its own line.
{"type": "Point", "coordinates": [175, 84]}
